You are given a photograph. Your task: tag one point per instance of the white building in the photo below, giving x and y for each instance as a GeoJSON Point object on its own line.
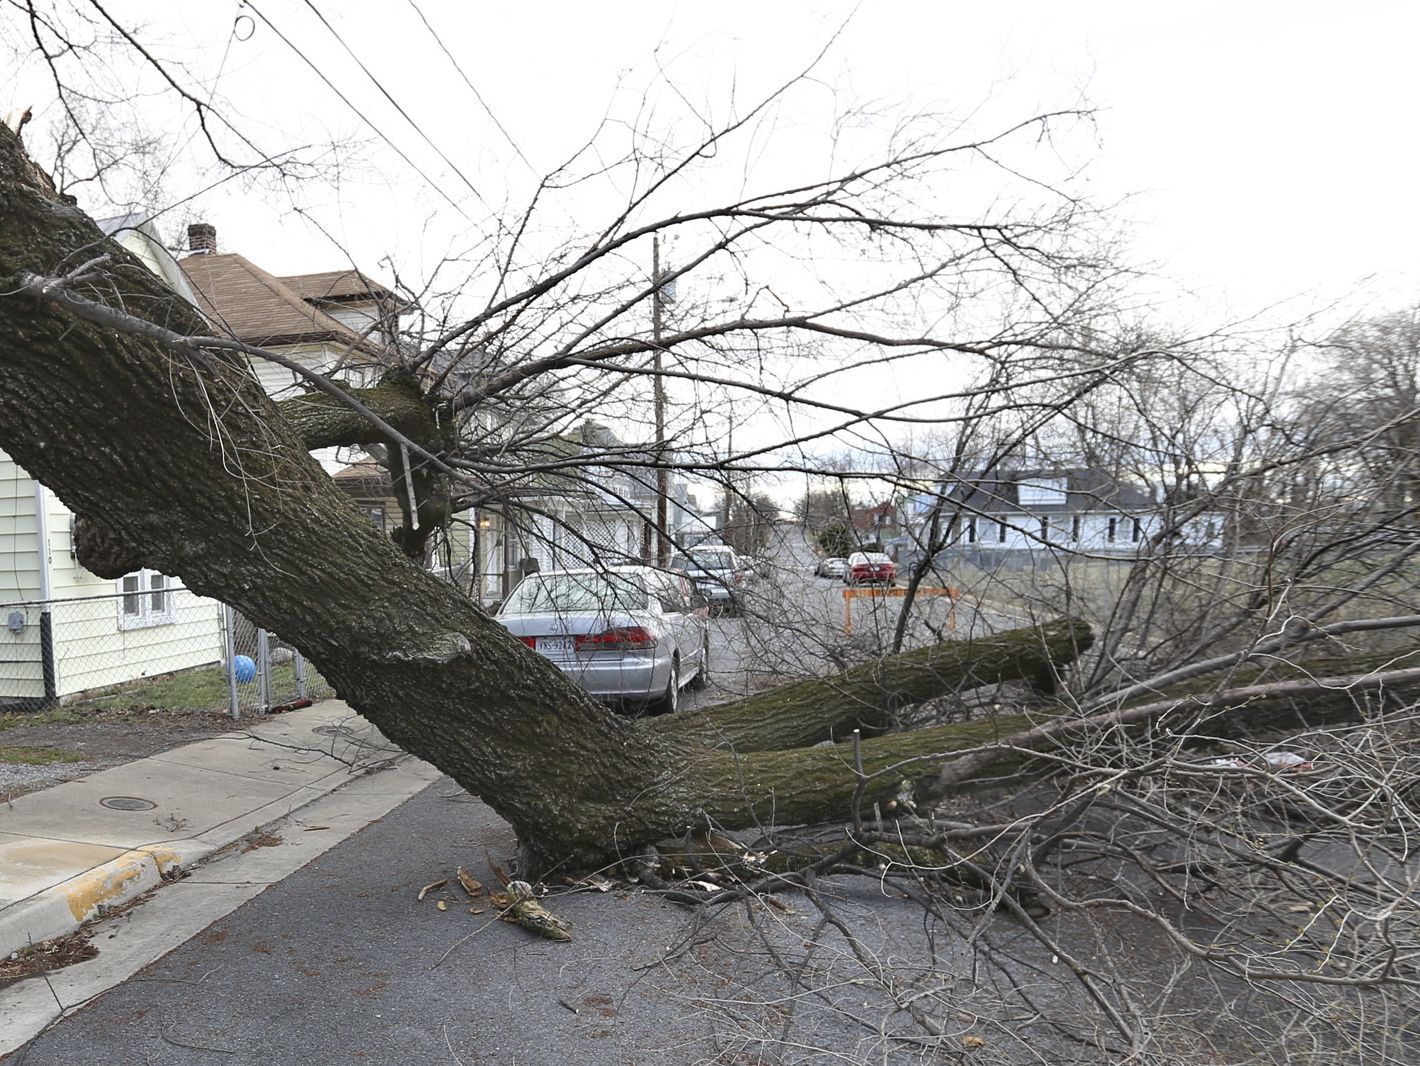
{"type": "Point", "coordinates": [1055, 510]}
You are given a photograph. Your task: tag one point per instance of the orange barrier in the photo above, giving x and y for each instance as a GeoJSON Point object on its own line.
{"type": "Point", "coordinates": [850, 594]}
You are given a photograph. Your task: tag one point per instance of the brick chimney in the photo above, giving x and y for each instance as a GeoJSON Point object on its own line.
{"type": "Point", "coordinates": [202, 239]}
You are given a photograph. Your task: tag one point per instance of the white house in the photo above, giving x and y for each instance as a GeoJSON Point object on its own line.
{"type": "Point", "coordinates": [1059, 510]}
{"type": "Point", "coordinates": [594, 505]}
{"type": "Point", "coordinates": [333, 322]}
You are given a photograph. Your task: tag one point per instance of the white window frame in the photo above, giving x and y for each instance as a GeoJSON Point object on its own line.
{"type": "Point", "coordinates": [136, 607]}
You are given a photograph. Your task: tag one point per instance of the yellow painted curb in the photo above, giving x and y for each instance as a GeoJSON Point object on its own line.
{"type": "Point", "coordinates": [115, 879]}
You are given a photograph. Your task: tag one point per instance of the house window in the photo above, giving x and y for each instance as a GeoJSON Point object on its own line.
{"type": "Point", "coordinates": [1075, 528]}
{"type": "Point", "coordinates": [1045, 528]}
{"type": "Point", "coordinates": [971, 530]}
{"type": "Point", "coordinates": [1113, 533]}
{"type": "Point", "coordinates": [1001, 532]}
{"type": "Point", "coordinates": [1138, 531]}
{"type": "Point", "coordinates": [146, 600]}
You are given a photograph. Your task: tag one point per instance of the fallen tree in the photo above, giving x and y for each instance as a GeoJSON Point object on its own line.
{"type": "Point", "coordinates": [173, 458]}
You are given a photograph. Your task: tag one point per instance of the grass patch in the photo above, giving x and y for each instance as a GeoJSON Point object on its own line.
{"type": "Point", "coordinates": [55, 716]}
{"type": "Point", "coordinates": [204, 689]}
{"type": "Point", "coordinates": [37, 756]}
{"type": "Point", "coordinates": [200, 691]}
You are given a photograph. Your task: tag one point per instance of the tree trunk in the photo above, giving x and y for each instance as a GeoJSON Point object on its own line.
{"type": "Point", "coordinates": [807, 712]}
{"type": "Point", "coordinates": [322, 421]}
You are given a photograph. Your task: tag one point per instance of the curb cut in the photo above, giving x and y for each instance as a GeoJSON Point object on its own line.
{"type": "Point", "coordinates": [96, 893]}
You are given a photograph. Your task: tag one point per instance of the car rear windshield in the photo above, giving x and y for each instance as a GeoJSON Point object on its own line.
{"type": "Point", "coordinates": [543, 593]}
{"type": "Point", "coordinates": [713, 560]}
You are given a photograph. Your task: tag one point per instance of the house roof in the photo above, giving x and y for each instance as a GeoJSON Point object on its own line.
{"type": "Point", "coordinates": [337, 286]}
{"type": "Point", "coordinates": [865, 519]}
{"type": "Point", "coordinates": [260, 308]}
{"type": "Point", "coordinates": [1086, 489]}
{"type": "Point", "coordinates": [362, 477]}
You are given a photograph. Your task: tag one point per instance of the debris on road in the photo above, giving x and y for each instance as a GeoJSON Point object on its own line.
{"type": "Point", "coordinates": [432, 886]}
{"type": "Point", "coordinates": [473, 887]}
{"type": "Point", "coordinates": [522, 907]}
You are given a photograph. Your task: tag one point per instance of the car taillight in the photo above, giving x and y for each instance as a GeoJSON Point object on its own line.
{"type": "Point", "coordinates": [622, 638]}
{"type": "Point", "coordinates": [531, 642]}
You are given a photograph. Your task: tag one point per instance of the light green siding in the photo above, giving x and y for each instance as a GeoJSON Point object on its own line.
{"type": "Point", "coordinates": [67, 578]}
{"type": "Point", "coordinates": [21, 668]}
{"type": "Point", "coordinates": [19, 550]}
{"type": "Point", "coordinates": [92, 651]}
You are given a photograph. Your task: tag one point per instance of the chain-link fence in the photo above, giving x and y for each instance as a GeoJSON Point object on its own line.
{"type": "Point", "coordinates": [153, 644]}
{"type": "Point", "coordinates": [268, 674]}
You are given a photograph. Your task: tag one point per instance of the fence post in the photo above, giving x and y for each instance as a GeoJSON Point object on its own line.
{"type": "Point", "coordinates": [263, 670]}
{"type": "Point", "coordinates": [234, 707]}
{"type": "Point", "coordinates": [299, 662]}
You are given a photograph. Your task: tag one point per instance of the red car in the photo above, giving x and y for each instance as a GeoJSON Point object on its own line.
{"type": "Point", "coordinates": [869, 568]}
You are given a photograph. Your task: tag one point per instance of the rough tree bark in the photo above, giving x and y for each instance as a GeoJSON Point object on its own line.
{"type": "Point", "coordinates": [182, 462]}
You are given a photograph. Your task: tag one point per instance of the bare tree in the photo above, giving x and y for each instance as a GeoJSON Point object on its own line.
{"type": "Point", "coordinates": [1032, 823]}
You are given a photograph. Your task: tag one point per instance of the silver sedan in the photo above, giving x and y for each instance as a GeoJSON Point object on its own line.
{"type": "Point", "coordinates": [630, 633]}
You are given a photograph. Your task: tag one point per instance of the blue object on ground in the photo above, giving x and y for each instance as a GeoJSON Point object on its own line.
{"type": "Point", "coordinates": [244, 668]}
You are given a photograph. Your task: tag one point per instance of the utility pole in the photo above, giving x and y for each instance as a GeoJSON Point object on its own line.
{"type": "Point", "coordinates": [663, 541]}
{"type": "Point", "coordinates": [729, 484]}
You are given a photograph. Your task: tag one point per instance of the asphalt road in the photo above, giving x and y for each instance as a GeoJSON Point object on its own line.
{"type": "Point", "coordinates": [342, 963]}
{"type": "Point", "coordinates": [793, 624]}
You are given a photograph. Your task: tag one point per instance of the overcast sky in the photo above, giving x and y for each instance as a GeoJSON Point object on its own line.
{"type": "Point", "coordinates": [1265, 149]}
{"type": "Point", "coordinates": [1255, 155]}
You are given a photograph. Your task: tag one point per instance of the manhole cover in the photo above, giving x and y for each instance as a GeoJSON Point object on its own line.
{"type": "Point", "coordinates": [127, 803]}
{"type": "Point", "coordinates": [334, 731]}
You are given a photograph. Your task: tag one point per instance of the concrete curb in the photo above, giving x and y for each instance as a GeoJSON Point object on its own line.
{"type": "Point", "coordinates": [121, 872]}
{"type": "Point", "coordinates": [92, 894]}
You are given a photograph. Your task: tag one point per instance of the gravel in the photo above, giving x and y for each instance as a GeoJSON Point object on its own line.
{"type": "Point", "coordinates": [97, 741]}
{"type": "Point", "coordinates": [18, 778]}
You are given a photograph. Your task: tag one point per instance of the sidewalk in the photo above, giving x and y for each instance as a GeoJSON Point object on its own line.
{"type": "Point", "coordinates": [76, 851]}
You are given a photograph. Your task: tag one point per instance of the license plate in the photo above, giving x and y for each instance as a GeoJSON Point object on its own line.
{"type": "Point", "coordinates": [558, 646]}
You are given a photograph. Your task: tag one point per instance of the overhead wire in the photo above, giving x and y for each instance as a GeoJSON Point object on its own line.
{"type": "Point", "coordinates": [359, 113]}
{"type": "Point", "coordinates": [395, 103]}
{"type": "Point", "coordinates": [471, 87]}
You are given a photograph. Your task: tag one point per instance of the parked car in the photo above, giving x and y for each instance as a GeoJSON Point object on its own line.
{"type": "Point", "coordinates": [869, 568]}
{"type": "Point", "coordinates": [630, 633]}
{"type": "Point", "coordinates": [833, 566]}
{"type": "Point", "coordinates": [757, 565]}
{"type": "Point", "coordinates": [721, 576]}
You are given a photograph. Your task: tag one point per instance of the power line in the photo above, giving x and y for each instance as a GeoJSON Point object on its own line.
{"type": "Point", "coordinates": [395, 103]}
{"type": "Point", "coordinates": [471, 88]}
{"type": "Point", "coordinates": [346, 100]}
